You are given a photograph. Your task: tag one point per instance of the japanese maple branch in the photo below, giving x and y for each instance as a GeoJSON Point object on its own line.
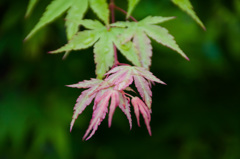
{"type": "Point", "coordinates": [111, 6]}
{"type": "Point", "coordinates": [123, 11]}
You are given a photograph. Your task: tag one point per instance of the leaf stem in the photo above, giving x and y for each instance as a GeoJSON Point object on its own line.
{"type": "Point", "coordinates": [116, 62]}
{"type": "Point", "coordinates": [111, 7]}
{"type": "Point", "coordinates": [125, 12]}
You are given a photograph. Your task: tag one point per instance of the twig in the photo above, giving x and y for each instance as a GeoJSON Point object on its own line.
{"type": "Point", "coordinates": [123, 11]}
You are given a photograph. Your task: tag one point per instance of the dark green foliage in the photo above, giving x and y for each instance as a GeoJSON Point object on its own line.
{"type": "Point", "coordinates": [195, 116]}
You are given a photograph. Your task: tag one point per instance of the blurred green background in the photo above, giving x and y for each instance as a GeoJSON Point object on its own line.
{"type": "Point", "coordinates": [196, 116]}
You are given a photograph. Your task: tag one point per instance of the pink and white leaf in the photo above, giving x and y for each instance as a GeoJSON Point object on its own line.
{"type": "Point", "coordinates": [148, 75]}
{"type": "Point", "coordinates": [114, 70]}
{"type": "Point", "coordinates": [125, 107]}
{"type": "Point", "coordinates": [143, 89]}
{"type": "Point", "coordinates": [114, 104]}
{"type": "Point", "coordinates": [86, 83]}
{"type": "Point", "coordinates": [129, 89]}
{"type": "Point", "coordinates": [117, 76]}
{"type": "Point", "coordinates": [99, 96]}
{"type": "Point", "coordinates": [99, 114]}
{"type": "Point", "coordinates": [83, 101]}
{"type": "Point", "coordinates": [124, 81]}
{"type": "Point", "coordinates": [140, 106]}
{"type": "Point", "coordinates": [104, 85]}
{"type": "Point", "coordinates": [136, 110]}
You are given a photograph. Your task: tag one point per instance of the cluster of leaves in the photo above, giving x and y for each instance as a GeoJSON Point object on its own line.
{"type": "Point", "coordinates": [113, 86]}
{"type": "Point", "coordinates": [132, 39]}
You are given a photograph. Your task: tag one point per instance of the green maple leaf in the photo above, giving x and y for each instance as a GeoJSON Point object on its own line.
{"type": "Point", "coordinates": [131, 6]}
{"type": "Point", "coordinates": [75, 12]}
{"type": "Point", "coordinates": [103, 40]}
{"type": "Point", "coordinates": [31, 5]}
{"type": "Point", "coordinates": [142, 30]}
{"type": "Point", "coordinates": [186, 6]}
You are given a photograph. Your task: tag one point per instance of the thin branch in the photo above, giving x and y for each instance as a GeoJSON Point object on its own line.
{"type": "Point", "coordinates": [116, 62]}
{"type": "Point", "coordinates": [111, 7]}
{"type": "Point", "coordinates": [125, 12]}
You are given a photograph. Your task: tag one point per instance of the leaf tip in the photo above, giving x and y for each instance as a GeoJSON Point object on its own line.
{"type": "Point", "coordinates": [109, 123]}
{"type": "Point", "coordinates": [204, 28]}
{"type": "Point", "coordinates": [71, 125]}
{"type": "Point", "coordinates": [25, 39]}
{"type": "Point", "coordinates": [150, 132]}
{"type": "Point", "coordinates": [53, 52]}
{"type": "Point", "coordinates": [69, 86]}
{"type": "Point", "coordinates": [65, 55]}
{"type": "Point", "coordinates": [164, 83]}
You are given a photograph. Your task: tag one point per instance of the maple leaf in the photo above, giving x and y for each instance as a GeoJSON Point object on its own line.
{"type": "Point", "coordinates": [31, 5]}
{"type": "Point", "coordinates": [100, 109]}
{"type": "Point", "coordinates": [131, 6]}
{"type": "Point", "coordinates": [140, 107]}
{"type": "Point", "coordinates": [122, 76]}
{"type": "Point", "coordinates": [125, 107]}
{"type": "Point", "coordinates": [142, 30]}
{"type": "Point", "coordinates": [101, 102]}
{"type": "Point", "coordinates": [85, 98]}
{"type": "Point", "coordinates": [186, 6]}
{"type": "Point", "coordinates": [76, 9]}
{"type": "Point", "coordinates": [103, 39]}
{"type": "Point", "coordinates": [111, 90]}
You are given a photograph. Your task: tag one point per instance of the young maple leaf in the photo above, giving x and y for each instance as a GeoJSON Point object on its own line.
{"type": "Point", "coordinates": [101, 102]}
{"type": "Point", "coordinates": [122, 76]}
{"type": "Point", "coordinates": [85, 98]}
{"type": "Point", "coordinates": [140, 106]}
{"type": "Point", "coordinates": [111, 90]}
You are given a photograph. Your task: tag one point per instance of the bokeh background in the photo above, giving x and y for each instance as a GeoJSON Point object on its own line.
{"type": "Point", "coordinates": [196, 116]}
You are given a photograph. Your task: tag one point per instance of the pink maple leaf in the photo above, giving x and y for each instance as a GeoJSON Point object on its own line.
{"type": "Point", "coordinates": [85, 98]}
{"type": "Point", "coordinates": [122, 76]}
{"type": "Point", "coordinates": [100, 109]}
{"type": "Point", "coordinates": [140, 107]}
{"type": "Point", "coordinates": [111, 90]}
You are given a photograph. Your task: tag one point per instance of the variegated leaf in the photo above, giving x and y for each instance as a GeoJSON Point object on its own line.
{"type": "Point", "coordinates": [99, 113]}
{"type": "Point", "coordinates": [83, 100]}
{"type": "Point", "coordinates": [143, 89]}
{"type": "Point", "coordinates": [86, 83]}
{"type": "Point", "coordinates": [114, 103]}
{"type": "Point", "coordinates": [140, 107]}
{"type": "Point", "coordinates": [148, 75]}
{"type": "Point", "coordinates": [125, 107]}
